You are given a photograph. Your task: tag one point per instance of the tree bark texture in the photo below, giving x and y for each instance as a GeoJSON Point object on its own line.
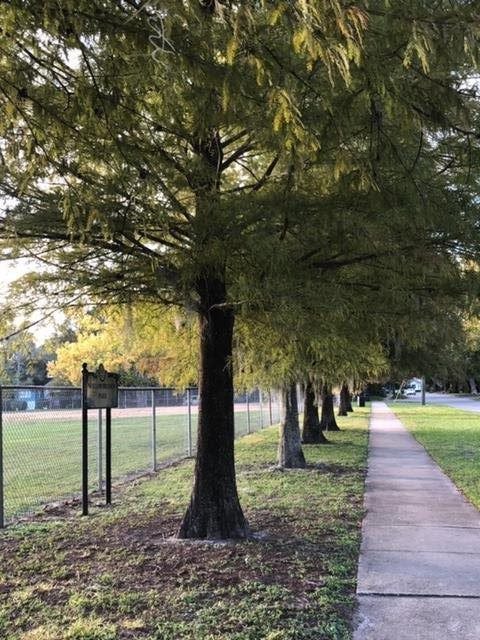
{"type": "Point", "coordinates": [311, 432]}
{"type": "Point", "coordinates": [290, 454]}
{"type": "Point", "coordinates": [214, 511]}
{"type": "Point", "coordinates": [343, 403]}
{"type": "Point", "coordinates": [327, 420]}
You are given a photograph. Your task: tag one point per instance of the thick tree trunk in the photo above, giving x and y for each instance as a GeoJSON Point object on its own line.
{"type": "Point", "coordinates": [214, 511]}
{"type": "Point", "coordinates": [311, 432]}
{"type": "Point", "coordinates": [327, 420]}
{"type": "Point", "coordinates": [290, 454]}
{"type": "Point", "coordinates": [343, 404]}
{"type": "Point", "coordinates": [349, 400]}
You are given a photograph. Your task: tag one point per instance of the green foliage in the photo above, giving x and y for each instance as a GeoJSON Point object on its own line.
{"type": "Point", "coordinates": [111, 149]}
{"type": "Point", "coordinates": [320, 346]}
{"type": "Point", "coordinates": [21, 361]}
{"type": "Point", "coordinates": [141, 148]}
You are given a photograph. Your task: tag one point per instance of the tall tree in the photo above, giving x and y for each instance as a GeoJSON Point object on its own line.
{"type": "Point", "coordinates": [327, 419]}
{"type": "Point", "coordinates": [22, 361]}
{"type": "Point", "coordinates": [343, 399]}
{"type": "Point", "coordinates": [311, 431]}
{"type": "Point", "coordinates": [290, 454]}
{"type": "Point", "coordinates": [126, 160]}
{"type": "Point", "coordinates": [147, 162]}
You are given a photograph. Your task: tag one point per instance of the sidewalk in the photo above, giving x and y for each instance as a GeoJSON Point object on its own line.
{"type": "Point", "coordinates": [419, 570]}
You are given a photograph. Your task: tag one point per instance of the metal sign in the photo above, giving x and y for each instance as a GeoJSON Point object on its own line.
{"type": "Point", "coordinates": [99, 391]}
{"type": "Point", "coordinates": [102, 389]}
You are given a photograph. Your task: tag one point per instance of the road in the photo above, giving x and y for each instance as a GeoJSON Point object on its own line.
{"type": "Point", "coordinates": [466, 403]}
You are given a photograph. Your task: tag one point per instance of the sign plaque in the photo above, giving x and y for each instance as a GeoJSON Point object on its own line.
{"type": "Point", "coordinates": [102, 389]}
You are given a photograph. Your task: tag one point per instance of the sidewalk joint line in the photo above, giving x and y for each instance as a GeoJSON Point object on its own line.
{"type": "Point", "coordinates": [424, 526]}
{"type": "Point", "coordinates": [459, 553]}
{"type": "Point", "coordinates": [376, 594]}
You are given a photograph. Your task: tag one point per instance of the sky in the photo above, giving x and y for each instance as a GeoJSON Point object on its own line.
{"type": "Point", "coordinates": [11, 270]}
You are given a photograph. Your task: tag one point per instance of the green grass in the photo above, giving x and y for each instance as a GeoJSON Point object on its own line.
{"type": "Point", "coordinates": [117, 575]}
{"type": "Point", "coordinates": [452, 438]}
{"type": "Point", "coordinates": [42, 456]}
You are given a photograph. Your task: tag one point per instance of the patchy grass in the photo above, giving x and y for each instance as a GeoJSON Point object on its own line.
{"type": "Point", "coordinates": [118, 575]}
{"type": "Point", "coordinates": [452, 438]}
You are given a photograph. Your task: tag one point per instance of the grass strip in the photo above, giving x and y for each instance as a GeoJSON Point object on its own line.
{"type": "Point", "coordinates": [118, 575]}
{"type": "Point", "coordinates": [452, 437]}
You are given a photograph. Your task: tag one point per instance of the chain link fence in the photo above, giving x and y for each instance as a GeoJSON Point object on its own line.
{"type": "Point", "coordinates": [40, 439]}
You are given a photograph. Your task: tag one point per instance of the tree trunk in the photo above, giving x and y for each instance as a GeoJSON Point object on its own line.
{"type": "Point", "coordinates": [290, 454]}
{"type": "Point", "coordinates": [473, 386]}
{"type": "Point", "coordinates": [343, 404]}
{"type": "Point", "coordinates": [327, 421]}
{"type": "Point", "coordinates": [311, 432]}
{"type": "Point", "coordinates": [214, 511]}
{"type": "Point", "coordinates": [349, 400]}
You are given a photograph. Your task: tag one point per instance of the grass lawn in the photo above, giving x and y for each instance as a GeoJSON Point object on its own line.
{"type": "Point", "coordinates": [118, 575]}
{"type": "Point", "coordinates": [452, 438]}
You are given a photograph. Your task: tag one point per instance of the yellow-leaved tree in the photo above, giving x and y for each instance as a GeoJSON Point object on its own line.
{"type": "Point", "coordinates": [144, 343]}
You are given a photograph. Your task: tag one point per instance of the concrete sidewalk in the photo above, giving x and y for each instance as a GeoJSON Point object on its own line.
{"type": "Point", "coordinates": [419, 570]}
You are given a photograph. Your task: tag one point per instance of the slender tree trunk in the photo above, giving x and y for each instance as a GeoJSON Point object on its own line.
{"type": "Point", "coordinates": [327, 420]}
{"type": "Point", "coordinates": [214, 511]}
{"type": "Point", "coordinates": [473, 386]}
{"type": "Point", "coordinates": [343, 404]}
{"type": "Point", "coordinates": [290, 454]}
{"type": "Point", "coordinates": [311, 432]}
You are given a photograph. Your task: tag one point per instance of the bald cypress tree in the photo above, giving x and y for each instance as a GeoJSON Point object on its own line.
{"type": "Point", "coordinates": [146, 147]}
{"type": "Point", "coordinates": [311, 431]}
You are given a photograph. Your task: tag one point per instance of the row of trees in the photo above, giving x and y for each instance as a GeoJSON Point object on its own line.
{"type": "Point", "coordinates": [307, 170]}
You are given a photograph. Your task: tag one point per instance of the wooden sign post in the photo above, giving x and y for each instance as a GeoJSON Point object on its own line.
{"type": "Point", "coordinates": [99, 391]}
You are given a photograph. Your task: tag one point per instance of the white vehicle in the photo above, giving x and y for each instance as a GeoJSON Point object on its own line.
{"type": "Point", "coordinates": [409, 390]}
{"type": "Point", "coordinates": [416, 383]}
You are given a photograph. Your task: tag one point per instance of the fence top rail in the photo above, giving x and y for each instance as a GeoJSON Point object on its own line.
{"type": "Point", "coordinates": [65, 388]}
{"type": "Point", "coordinates": [38, 386]}
{"type": "Point", "coordinates": [157, 389]}
{"type": "Point", "coordinates": [60, 388]}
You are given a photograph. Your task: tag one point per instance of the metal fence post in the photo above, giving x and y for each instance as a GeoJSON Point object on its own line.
{"type": "Point", "coordinates": [154, 432]}
{"type": "Point", "coordinates": [270, 406]}
{"type": "Point", "coordinates": [2, 506]}
{"type": "Point", "coordinates": [108, 455]}
{"type": "Point", "coordinates": [261, 407]}
{"type": "Point", "coordinates": [100, 451]}
{"type": "Point", "coordinates": [189, 432]}
{"type": "Point", "coordinates": [248, 414]}
{"type": "Point", "coordinates": [84, 441]}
